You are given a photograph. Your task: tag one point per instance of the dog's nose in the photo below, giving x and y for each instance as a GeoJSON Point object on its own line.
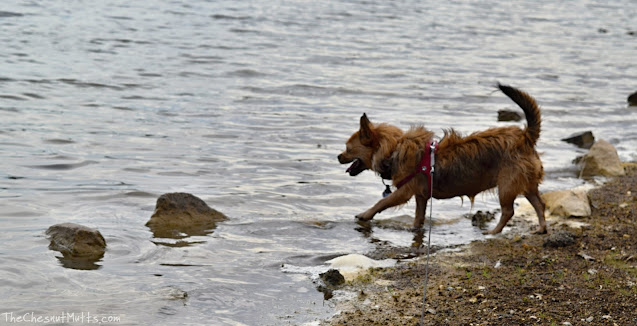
{"type": "Point", "coordinates": [339, 157]}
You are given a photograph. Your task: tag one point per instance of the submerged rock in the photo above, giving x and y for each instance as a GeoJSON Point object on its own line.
{"type": "Point", "coordinates": [582, 140]}
{"type": "Point", "coordinates": [178, 215]}
{"type": "Point", "coordinates": [506, 115]}
{"type": "Point", "coordinates": [601, 160]}
{"type": "Point", "coordinates": [568, 203]}
{"type": "Point", "coordinates": [81, 246]}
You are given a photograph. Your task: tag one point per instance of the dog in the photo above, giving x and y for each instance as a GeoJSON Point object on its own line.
{"type": "Point", "coordinates": [503, 157]}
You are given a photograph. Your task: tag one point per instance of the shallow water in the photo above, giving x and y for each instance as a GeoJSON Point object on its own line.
{"type": "Point", "coordinates": [107, 105]}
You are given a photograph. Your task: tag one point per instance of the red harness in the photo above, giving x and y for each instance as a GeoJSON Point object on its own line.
{"type": "Point", "coordinates": [425, 166]}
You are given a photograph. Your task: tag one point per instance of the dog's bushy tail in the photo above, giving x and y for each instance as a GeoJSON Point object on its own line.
{"type": "Point", "coordinates": [530, 108]}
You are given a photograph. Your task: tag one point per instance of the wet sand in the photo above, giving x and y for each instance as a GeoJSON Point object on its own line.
{"type": "Point", "coordinates": [518, 278]}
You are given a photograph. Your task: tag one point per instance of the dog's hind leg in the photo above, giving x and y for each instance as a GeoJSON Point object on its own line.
{"type": "Point", "coordinates": [506, 205]}
{"type": "Point", "coordinates": [421, 211]}
{"type": "Point", "coordinates": [536, 201]}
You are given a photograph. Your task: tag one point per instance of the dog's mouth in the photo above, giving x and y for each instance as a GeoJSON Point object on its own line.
{"type": "Point", "coordinates": [356, 168]}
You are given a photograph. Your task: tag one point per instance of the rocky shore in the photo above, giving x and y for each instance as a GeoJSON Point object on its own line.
{"type": "Point", "coordinates": [584, 272]}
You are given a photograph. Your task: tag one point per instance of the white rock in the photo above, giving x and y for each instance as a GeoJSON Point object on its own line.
{"type": "Point", "coordinates": [568, 203]}
{"type": "Point", "coordinates": [352, 265]}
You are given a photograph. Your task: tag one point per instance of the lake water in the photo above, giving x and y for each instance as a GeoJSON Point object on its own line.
{"type": "Point", "coordinates": [106, 105]}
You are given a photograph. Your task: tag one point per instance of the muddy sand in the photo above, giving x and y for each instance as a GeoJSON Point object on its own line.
{"type": "Point", "coordinates": [582, 273]}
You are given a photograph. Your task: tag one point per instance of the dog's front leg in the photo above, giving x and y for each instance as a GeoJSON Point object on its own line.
{"type": "Point", "coordinates": [398, 197]}
{"type": "Point", "coordinates": [421, 210]}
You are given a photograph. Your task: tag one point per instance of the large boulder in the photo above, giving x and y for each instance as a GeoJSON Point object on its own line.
{"type": "Point", "coordinates": [178, 215]}
{"type": "Point", "coordinates": [568, 203]}
{"type": "Point", "coordinates": [76, 241]}
{"type": "Point", "coordinates": [601, 160]}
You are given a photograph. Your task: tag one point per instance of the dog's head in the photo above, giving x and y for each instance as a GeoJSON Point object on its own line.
{"type": "Point", "coordinates": [370, 148]}
{"type": "Point", "coordinates": [360, 148]}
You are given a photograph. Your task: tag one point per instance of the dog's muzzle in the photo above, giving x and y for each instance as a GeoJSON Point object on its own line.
{"type": "Point", "coordinates": [357, 165]}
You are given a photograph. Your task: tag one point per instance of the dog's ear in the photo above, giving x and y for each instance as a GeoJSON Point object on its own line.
{"type": "Point", "coordinates": [367, 134]}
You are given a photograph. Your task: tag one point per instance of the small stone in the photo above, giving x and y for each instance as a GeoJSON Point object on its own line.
{"type": "Point", "coordinates": [585, 256]}
{"type": "Point", "coordinates": [559, 239]}
{"type": "Point", "coordinates": [567, 323]}
{"type": "Point", "coordinates": [607, 317]}
{"type": "Point", "coordinates": [590, 319]}
{"type": "Point", "coordinates": [592, 271]}
{"type": "Point", "coordinates": [332, 278]}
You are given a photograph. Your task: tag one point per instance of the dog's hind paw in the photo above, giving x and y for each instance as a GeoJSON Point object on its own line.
{"type": "Point", "coordinates": [541, 230]}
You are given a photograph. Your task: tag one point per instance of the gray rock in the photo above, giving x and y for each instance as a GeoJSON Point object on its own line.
{"type": "Point", "coordinates": [582, 140]}
{"type": "Point", "coordinates": [178, 215]}
{"type": "Point", "coordinates": [76, 241]}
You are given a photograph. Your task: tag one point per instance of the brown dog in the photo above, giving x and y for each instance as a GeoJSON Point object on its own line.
{"type": "Point", "coordinates": [464, 166]}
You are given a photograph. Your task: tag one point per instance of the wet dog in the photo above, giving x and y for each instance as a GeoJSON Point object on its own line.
{"type": "Point", "coordinates": [502, 157]}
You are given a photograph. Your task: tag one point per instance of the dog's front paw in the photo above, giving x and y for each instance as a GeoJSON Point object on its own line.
{"type": "Point", "coordinates": [365, 216]}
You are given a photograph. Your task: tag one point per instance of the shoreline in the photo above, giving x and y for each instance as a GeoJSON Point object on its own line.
{"type": "Point", "coordinates": [584, 271]}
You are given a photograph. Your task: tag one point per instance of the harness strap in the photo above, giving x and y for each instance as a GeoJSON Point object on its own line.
{"type": "Point", "coordinates": [425, 166]}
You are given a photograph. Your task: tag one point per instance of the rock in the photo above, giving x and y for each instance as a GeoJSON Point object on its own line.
{"type": "Point", "coordinates": [568, 203]}
{"type": "Point", "coordinates": [81, 246]}
{"type": "Point", "coordinates": [582, 140]}
{"type": "Point", "coordinates": [481, 219]}
{"type": "Point", "coordinates": [585, 256]}
{"type": "Point", "coordinates": [76, 241]}
{"type": "Point", "coordinates": [559, 239]}
{"type": "Point", "coordinates": [506, 115]}
{"type": "Point", "coordinates": [177, 214]}
{"type": "Point", "coordinates": [332, 278]}
{"type": "Point", "coordinates": [632, 99]}
{"type": "Point", "coordinates": [601, 160]}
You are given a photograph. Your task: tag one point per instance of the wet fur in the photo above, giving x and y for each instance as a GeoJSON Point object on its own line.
{"type": "Point", "coordinates": [502, 157]}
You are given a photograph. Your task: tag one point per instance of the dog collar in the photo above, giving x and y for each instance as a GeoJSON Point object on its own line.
{"type": "Point", "coordinates": [425, 166]}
